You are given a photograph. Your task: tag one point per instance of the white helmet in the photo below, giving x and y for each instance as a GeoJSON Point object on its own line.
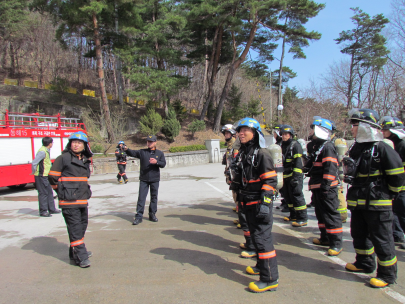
{"type": "Point", "coordinates": [229, 128]}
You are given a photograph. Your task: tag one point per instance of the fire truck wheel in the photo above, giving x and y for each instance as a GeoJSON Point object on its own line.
{"type": "Point", "coordinates": [20, 186]}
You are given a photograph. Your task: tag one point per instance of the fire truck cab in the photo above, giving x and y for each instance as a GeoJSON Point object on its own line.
{"type": "Point", "coordinates": [21, 137]}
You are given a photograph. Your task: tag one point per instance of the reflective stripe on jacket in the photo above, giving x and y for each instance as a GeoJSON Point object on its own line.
{"type": "Point", "coordinates": [379, 176]}
{"type": "Point", "coordinates": [71, 174]}
{"type": "Point", "coordinates": [324, 172]}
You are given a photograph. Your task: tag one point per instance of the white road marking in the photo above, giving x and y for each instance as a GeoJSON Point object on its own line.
{"type": "Point", "coordinates": [393, 294]}
{"type": "Point", "coordinates": [219, 190]}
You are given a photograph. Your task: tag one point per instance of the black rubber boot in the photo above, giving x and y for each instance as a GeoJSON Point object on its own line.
{"type": "Point", "coordinates": [252, 270]}
{"type": "Point", "coordinates": [84, 264]}
{"type": "Point", "coordinates": [260, 286]}
{"type": "Point", "coordinates": [89, 254]}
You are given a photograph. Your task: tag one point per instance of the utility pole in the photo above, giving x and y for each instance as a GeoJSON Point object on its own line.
{"type": "Point", "coordinates": [118, 74]}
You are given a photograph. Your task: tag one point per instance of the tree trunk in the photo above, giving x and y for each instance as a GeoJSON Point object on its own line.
{"type": "Point", "coordinates": [205, 72]}
{"type": "Point", "coordinates": [350, 84]}
{"type": "Point", "coordinates": [12, 59]}
{"type": "Point", "coordinates": [4, 61]}
{"type": "Point", "coordinates": [99, 56]}
{"type": "Point", "coordinates": [214, 62]}
{"type": "Point", "coordinates": [234, 66]}
{"type": "Point", "coordinates": [280, 80]}
{"type": "Point", "coordinates": [79, 55]}
{"type": "Point", "coordinates": [118, 65]}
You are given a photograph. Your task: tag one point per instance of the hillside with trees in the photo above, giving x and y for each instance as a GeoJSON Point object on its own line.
{"type": "Point", "coordinates": [205, 58]}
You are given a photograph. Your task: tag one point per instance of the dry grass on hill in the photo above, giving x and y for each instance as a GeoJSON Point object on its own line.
{"type": "Point", "coordinates": [138, 141]}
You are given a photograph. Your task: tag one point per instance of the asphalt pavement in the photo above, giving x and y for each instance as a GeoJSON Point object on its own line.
{"type": "Point", "coordinates": [190, 256]}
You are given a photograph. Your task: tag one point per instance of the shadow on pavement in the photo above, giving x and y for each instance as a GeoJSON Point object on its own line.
{"type": "Point", "coordinates": [49, 246]}
{"type": "Point", "coordinates": [214, 264]}
{"type": "Point", "coordinates": [300, 263]}
{"type": "Point", "coordinates": [198, 219]}
{"type": "Point", "coordinates": [207, 262]}
{"type": "Point", "coordinates": [127, 216]}
{"type": "Point", "coordinates": [226, 210]}
{"type": "Point", "coordinates": [204, 239]}
{"type": "Point", "coordinates": [235, 231]}
{"type": "Point", "coordinates": [29, 211]}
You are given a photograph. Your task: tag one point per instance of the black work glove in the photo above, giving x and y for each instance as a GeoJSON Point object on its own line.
{"type": "Point", "coordinates": [263, 211]}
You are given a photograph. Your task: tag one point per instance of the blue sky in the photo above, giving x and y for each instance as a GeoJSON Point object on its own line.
{"type": "Point", "coordinates": [333, 19]}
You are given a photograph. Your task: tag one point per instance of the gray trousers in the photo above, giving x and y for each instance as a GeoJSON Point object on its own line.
{"type": "Point", "coordinates": [45, 195]}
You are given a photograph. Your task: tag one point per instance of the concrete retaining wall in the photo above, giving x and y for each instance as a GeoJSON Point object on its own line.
{"type": "Point", "coordinates": [109, 165]}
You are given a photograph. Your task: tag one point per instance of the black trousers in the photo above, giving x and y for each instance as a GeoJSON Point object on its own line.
{"type": "Point", "coordinates": [398, 206]}
{"type": "Point", "coordinates": [143, 192]}
{"type": "Point", "coordinates": [329, 219]}
{"type": "Point", "coordinates": [76, 220]}
{"type": "Point", "coordinates": [397, 231]}
{"type": "Point", "coordinates": [295, 199]}
{"type": "Point", "coordinates": [372, 232]}
{"type": "Point", "coordinates": [45, 195]}
{"type": "Point", "coordinates": [262, 239]}
{"type": "Point", "coordinates": [244, 225]}
{"type": "Point", "coordinates": [121, 173]}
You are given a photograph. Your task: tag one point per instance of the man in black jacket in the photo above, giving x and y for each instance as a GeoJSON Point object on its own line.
{"type": "Point", "coordinates": [151, 161]}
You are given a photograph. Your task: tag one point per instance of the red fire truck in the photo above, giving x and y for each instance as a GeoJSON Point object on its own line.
{"type": "Point", "coordinates": [21, 137]}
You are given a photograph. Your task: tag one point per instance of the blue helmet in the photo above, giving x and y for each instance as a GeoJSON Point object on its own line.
{"type": "Point", "coordinates": [249, 122]}
{"type": "Point", "coordinates": [255, 125]}
{"type": "Point", "coordinates": [121, 142]}
{"type": "Point", "coordinates": [79, 135]}
{"type": "Point", "coordinates": [322, 122]}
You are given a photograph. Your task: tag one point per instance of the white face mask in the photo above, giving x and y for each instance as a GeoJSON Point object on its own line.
{"type": "Point", "coordinates": [367, 133]}
{"type": "Point", "coordinates": [321, 133]}
{"type": "Point", "coordinates": [398, 132]}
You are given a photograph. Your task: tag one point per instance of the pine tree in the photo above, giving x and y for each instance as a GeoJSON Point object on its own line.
{"type": "Point", "coordinates": [171, 127]}
{"type": "Point", "coordinates": [94, 19]}
{"type": "Point", "coordinates": [13, 15]}
{"type": "Point", "coordinates": [156, 51]}
{"type": "Point", "coordinates": [365, 45]}
{"type": "Point", "coordinates": [151, 123]}
{"type": "Point", "coordinates": [258, 17]}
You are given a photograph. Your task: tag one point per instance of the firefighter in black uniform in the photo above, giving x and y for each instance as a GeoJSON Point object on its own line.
{"type": "Point", "coordinates": [392, 129]}
{"type": "Point", "coordinates": [322, 168]}
{"type": "Point", "coordinates": [254, 171]}
{"type": "Point", "coordinates": [376, 175]}
{"type": "Point", "coordinates": [121, 156]}
{"type": "Point", "coordinates": [69, 177]}
{"type": "Point", "coordinates": [151, 161]}
{"type": "Point", "coordinates": [293, 178]}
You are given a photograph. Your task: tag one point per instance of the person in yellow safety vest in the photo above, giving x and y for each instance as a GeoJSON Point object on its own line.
{"type": "Point", "coordinates": [41, 166]}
